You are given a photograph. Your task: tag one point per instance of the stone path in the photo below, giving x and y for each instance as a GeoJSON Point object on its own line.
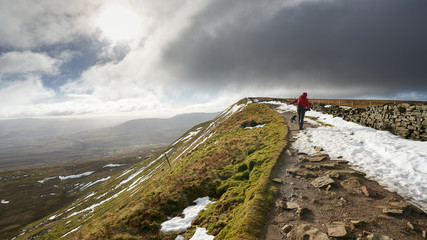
{"type": "Point", "coordinates": [323, 198]}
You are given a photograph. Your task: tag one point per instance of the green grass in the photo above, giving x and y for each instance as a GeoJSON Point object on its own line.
{"type": "Point", "coordinates": [233, 167]}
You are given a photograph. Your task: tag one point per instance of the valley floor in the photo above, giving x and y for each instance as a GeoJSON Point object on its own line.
{"type": "Point", "coordinates": [323, 197]}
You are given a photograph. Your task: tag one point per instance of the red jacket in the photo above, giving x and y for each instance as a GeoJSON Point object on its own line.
{"type": "Point", "coordinates": [302, 100]}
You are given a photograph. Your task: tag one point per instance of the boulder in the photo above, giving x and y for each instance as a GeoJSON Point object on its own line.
{"type": "Point", "coordinates": [334, 174]}
{"type": "Point", "coordinates": [322, 181]}
{"type": "Point", "coordinates": [292, 205]}
{"type": "Point", "coordinates": [306, 231]}
{"type": "Point", "coordinates": [395, 208]}
{"type": "Point", "coordinates": [301, 172]}
{"type": "Point", "coordinates": [337, 229]}
{"type": "Point", "coordinates": [351, 184]}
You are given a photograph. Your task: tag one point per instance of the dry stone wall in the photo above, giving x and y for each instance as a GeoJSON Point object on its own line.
{"type": "Point", "coordinates": [405, 120]}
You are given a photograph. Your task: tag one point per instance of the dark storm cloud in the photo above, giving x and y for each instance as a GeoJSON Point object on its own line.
{"type": "Point", "coordinates": [375, 44]}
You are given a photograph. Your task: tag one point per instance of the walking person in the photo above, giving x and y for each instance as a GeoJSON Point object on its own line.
{"type": "Point", "coordinates": [303, 106]}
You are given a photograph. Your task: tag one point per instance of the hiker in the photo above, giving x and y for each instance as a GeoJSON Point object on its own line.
{"type": "Point", "coordinates": [303, 106]}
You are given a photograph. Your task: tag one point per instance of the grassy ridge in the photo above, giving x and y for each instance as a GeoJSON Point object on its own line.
{"type": "Point", "coordinates": [224, 160]}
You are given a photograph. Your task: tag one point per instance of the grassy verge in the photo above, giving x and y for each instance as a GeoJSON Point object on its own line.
{"type": "Point", "coordinates": [224, 160]}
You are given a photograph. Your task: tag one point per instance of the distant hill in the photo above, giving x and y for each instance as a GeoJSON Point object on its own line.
{"type": "Point", "coordinates": [17, 130]}
{"type": "Point", "coordinates": [40, 141]}
{"type": "Point", "coordinates": [141, 131]}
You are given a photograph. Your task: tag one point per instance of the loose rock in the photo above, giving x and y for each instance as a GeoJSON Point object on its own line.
{"type": "Point", "coordinates": [410, 225]}
{"type": "Point", "coordinates": [292, 205]}
{"type": "Point", "coordinates": [334, 174]}
{"type": "Point", "coordinates": [395, 208]}
{"type": "Point", "coordinates": [317, 148]}
{"type": "Point", "coordinates": [392, 211]}
{"type": "Point", "coordinates": [322, 181]}
{"type": "Point", "coordinates": [337, 229]}
{"type": "Point", "coordinates": [276, 180]}
{"type": "Point", "coordinates": [306, 231]}
{"type": "Point", "coordinates": [357, 223]}
{"type": "Point", "coordinates": [287, 228]}
{"type": "Point", "coordinates": [375, 236]}
{"type": "Point", "coordinates": [301, 172]}
{"type": "Point", "coordinates": [367, 192]}
{"type": "Point", "coordinates": [351, 184]}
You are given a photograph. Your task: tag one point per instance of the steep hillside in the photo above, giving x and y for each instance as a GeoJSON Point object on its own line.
{"type": "Point", "coordinates": [228, 159]}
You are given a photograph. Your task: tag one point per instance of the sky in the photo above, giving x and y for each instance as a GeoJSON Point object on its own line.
{"type": "Point", "coordinates": [160, 58]}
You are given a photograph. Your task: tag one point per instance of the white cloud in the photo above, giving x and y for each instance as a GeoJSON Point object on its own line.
{"type": "Point", "coordinates": [14, 94]}
{"type": "Point", "coordinates": [193, 55]}
{"type": "Point", "coordinates": [139, 73]}
{"type": "Point", "coordinates": [88, 105]}
{"type": "Point", "coordinates": [27, 62]}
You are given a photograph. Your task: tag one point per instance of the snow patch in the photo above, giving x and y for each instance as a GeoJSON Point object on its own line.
{"type": "Point", "coordinates": [190, 135]}
{"type": "Point", "coordinates": [90, 195]}
{"type": "Point", "coordinates": [134, 174]}
{"type": "Point", "coordinates": [76, 176]}
{"type": "Point", "coordinates": [180, 224]}
{"type": "Point", "coordinates": [125, 172]}
{"type": "Point", "coordinates": [202, 234]}
{"type": "Point", "coordinates": [257, 126]}
{"type": "Point", "coordinates": [92, 208]}
{"type": "Point", "coordinates": [89, 184]}
{"type": "Point", "coordinates": [46, 179]}
{"type": "Point", "coordinates": [111, 165]}
{"type": "Point", "coordinates": [75, 229]}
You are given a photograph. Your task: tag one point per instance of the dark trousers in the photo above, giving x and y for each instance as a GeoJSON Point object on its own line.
{"type": "Point", "coordinates": [301, 113]}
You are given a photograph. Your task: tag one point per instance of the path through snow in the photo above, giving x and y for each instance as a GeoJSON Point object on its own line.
{"type": "Point", "coordinates": [396, 163]}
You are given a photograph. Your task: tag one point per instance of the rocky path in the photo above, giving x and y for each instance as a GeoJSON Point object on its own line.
{"type": "Point", "coordinates": [323, 198]}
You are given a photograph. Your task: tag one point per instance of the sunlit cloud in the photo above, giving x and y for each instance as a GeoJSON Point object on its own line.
{"type": "Point", "coordinates": [18, 93]}
{"type": "Point", "coordinates": [161, 57]}
{"type": "Point", "coordinates": [27, 62]}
